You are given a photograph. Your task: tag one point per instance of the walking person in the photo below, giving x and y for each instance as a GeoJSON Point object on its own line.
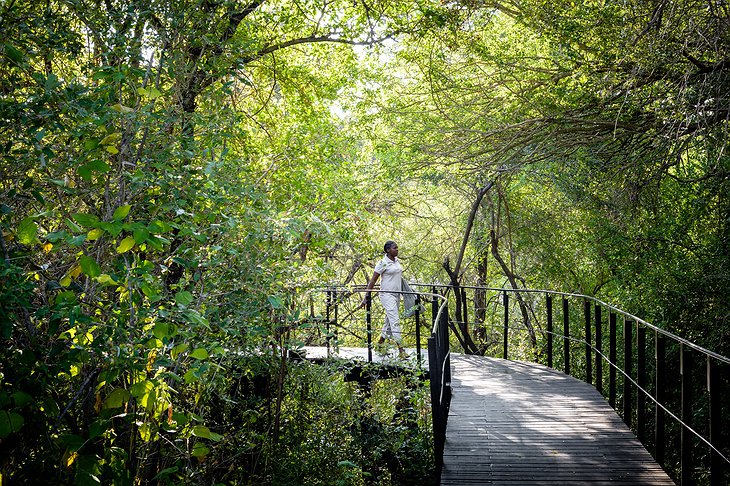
{"type": "Point", "coordinates": [390, 273]}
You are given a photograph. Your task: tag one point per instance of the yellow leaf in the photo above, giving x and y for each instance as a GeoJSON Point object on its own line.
{"type": "Point", "coordinates": [105, 279]}
{"type": "Point", "coordinates": [146, 432]}
{"type": "Point", "coordinates": [122, 109]}
{"type": "Point", "coordinates": [126, 245]}
{"type": "Point", "coordinates": [75, 271]}
{"type": "Point", "coordinates": [70, 458]}
{"type": "Point", "coordinates": [111, 138]}
{"type": "Point", "coordinates": [112, 149]}
{"type": "Point", "coordinates": [48, 247]}
{"type": "Point", "coordinates": [94, 234]}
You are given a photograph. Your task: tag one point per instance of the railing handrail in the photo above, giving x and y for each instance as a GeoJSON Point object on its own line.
{"type": "Point", "coordinates": [441, 397]}
{"type": "Point", "coordinates": [649, 325]}
{"type": "Point", "coordinates": [355, 289]}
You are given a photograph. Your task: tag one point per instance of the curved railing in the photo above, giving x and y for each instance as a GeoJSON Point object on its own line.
{"type": "Point", "coordinates": [681, 425]}
{"type": "Point", "coordinates": [701, 455]}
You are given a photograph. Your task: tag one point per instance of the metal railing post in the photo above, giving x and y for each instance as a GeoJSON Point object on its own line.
{"type": "Point", "coordinates": [566, 335]}
{"type": "Point", "coordinates": [417, 315]}
{"type": "Point", "coordinates": [641, 382]}
{"type": "Point", "coordinates": [599, 349]}
{"type": "Point", "coordinates": [436, 416]}
{"type": "Point", "coordinates": [685, 369]}
{"type": "Point", "coordinates": [660, 393]}
{"type": "Point", "coordinates": [336, 305]}
{"type": "Point", "coordinates": [369, 325]}
{"type": "Point", "coordinates": [628, 369]}
{"type": "Point", "coordinates": [439, 361]}
{"type": "Point", "coordinates": [612, 359]}
{"type": "Point", "coordinates": [549, 305]}
{"type": "Point", "coordinates": [464, 307]}
{"type": "Point", "coordinates": [445, 349]}
{"type": "Point", "coordinates": [713, 389]}
{"type": "Point", "coordinates": [588, 334]}
{"type": "Point", "coordinates": [434, 306]}
{"type": "Point", "coordinates": [327, 306]}
{"type": "Point", "coordinates": [505, 299]}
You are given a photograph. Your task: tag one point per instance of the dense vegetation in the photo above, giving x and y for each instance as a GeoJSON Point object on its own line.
{"type": "Point", "coordinates": [177, 177]}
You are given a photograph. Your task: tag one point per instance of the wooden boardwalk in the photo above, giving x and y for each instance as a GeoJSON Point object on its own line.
{"type": "Point", "coordinates": [519, 423]}
{"type": "Point", "coordinates": [361, 355]}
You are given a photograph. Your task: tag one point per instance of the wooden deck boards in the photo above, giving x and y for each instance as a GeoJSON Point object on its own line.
{"type": "Point", "coordinates": [519, 423]}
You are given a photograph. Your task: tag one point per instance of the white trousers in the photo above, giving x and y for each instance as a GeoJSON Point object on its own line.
{"type": "Point", "coordinates": [391, 326]}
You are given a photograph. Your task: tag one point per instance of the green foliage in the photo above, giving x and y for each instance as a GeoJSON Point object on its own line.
{"type": "Point", "coordinates": [175, 177]}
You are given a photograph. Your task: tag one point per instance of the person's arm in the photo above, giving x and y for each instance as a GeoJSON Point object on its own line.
{"type": "Point", "coordinates": [370, 286]}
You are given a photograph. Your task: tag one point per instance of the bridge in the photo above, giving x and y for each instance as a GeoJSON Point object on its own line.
{"type": "Point", "coordinates": [639, 406]}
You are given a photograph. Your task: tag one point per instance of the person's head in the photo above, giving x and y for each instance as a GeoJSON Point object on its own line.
{"type": "Point", "coordinates": [390, 248]}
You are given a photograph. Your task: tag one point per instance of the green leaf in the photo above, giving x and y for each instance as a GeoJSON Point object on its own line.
{"type": "Point", "coordinates": [86, 220]}
{"type": "Point", "coordinates": [112, 228]}
{"type": "Point", "coordinates": [199, 450]}
{"type": "Point", "coordinates": [140, 389]}
{"type": "Point", "coordinates": [276, 302]}
{"type": "Point", "coordinates": [161, 330]}
{"type": "Point", "coordinates": [194, 317]}
{"type": "Point", "coordinates": [183, 298]}
{"type": "Point", "coordinates": [204, 433]}
{"type": "Point", "coordinates": [13, 54]}
{"type": "Point", "coordinates": [199, 353]}
{"type": "Point", "coordinates": [191, 376]}
{"type": "Point", "coordinates": [10, 422]}
{"type": "Point", "coordinates": [180, 348]}
{"type": "Point", "coordinates": [27, 232]}
{"type": "Point", "coordinates": [150, 92]}
{"type": "Point", "coordinates": [126, 245]}
{"type": "Point", "coordinates": [201, 431]}
{"type": "Point", "coordinates": [89, 266]}
{"type": "Point", "coordinates": [86, 171]}
{"type": "Point", "coordinates": [166, 472]}
{"type": "Point", "coordinates": [116, 398]}
{"type": "Point", "coordinates": [73, 226]}
{"type": "Point", "coordinates": [21, 399]}
{"type": "Point", "coordinates": [57, 236]}
{"type": "Point", "coordinates": [158, 227]}
{"type": "Point", "coordinates": [72, 442]}
{"type": "Point", "coordinates": [77, 241]}
{"type": "Point", "coordinates": [141, 235]}
{"type": "Point", "coordinates": [121, 212]}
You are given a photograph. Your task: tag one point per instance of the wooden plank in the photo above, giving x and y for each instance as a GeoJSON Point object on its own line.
{"type": "Point", "coordinates": [513, 422]}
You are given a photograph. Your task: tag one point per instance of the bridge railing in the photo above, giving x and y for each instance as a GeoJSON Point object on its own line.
{"type": "Point", "coordinates": [439, 363]}
{"type": "Point", "coordinates": [671, 392]}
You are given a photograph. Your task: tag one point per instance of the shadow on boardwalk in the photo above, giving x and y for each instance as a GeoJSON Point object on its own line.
{"type": "Point", "coordinates": [519, 423]}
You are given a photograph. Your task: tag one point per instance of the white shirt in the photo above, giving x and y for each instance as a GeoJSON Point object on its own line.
{"type": "Point", "coordinates": [390, 273]}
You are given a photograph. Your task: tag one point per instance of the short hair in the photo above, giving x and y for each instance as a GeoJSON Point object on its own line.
{"type": "Point", "coordinates": [387, 245]}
